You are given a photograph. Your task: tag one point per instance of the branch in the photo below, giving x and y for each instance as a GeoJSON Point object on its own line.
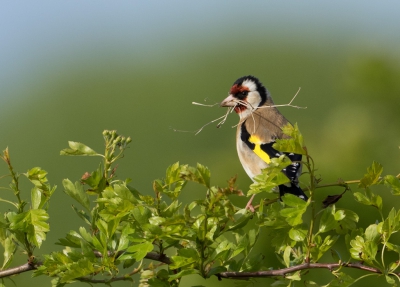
{"type": "Point", "coordinates": [19, 269]}
{"type": "Point", "coordinates": [158, 257]}
{"type": "Point", "coordinates": [304, 266]}
{"type": "Point", "coordinates": [90, 280]}
{"type": "Point", "coordinates": [228, 274]}
{"type": "Point", "coordinates": [151, 255]}
{"type": "Point", "coordinates": [340, 183]}
{"type": "Point", "coordinates": [33, 266]}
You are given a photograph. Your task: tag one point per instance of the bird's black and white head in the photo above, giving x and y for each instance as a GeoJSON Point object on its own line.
{"type": "Point", "coordinates": [246, 95]}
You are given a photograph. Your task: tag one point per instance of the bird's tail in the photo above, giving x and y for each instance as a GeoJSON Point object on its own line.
{"type": "Point", "coordinates": [293, 189]}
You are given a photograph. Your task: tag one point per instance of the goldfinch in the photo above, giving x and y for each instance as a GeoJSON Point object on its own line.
{"type": "Point", "coordinates": [259, 126]}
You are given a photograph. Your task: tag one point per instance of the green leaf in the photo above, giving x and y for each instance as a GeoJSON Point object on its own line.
{"type": "Point", "coordinates": [273, 218]}
{"type": "Point", "coordinates": [240, 219]}
{"type": "Point", "coordinates": [77, 148]}
{"type": "Point", "coordinates": [335, 255]}
{"type": "Point", "coordinates": [77, 269]}
{"type": "Point", "coordinates": [341, 280]}
{"type": "Point", "coordinates": [200, 174]}
{"type": "Point", "coordinates": [394, 183]}
{"type": "Point", "coordinates": [297, 234]}
{"type": "Point", "coordinates": [9, 251]}
{"type": "Point", "coordinates": [222, 251]}
{"type": "Point", "coordinates": [393, 247]}
{"type": "Point", "coordinates": [212, 226]}
{"type": "Point", "coordinates": [390, 225]}
{"type": "Point", "coordinates": [311, 284]}
{"type": "Point", "coordinates": [281, 239]}
{"type": "Point", "coordinates": [286, 255]}
{"type": "Point", "coordinates": [369, 198]}
{"type": "Point", "coordinates": [295, 276]}
{"type": "Point", "coordinates": [183, 273]}
{"type": "Point", "coordinates": [37, 176]}
{"type": "Point", "coordinates": [72, 239]}
{"type": "Point", "coordinates": [153, 229]}
{"type": "Point", "coordinates": [33, 223]}
{"type": "Point", "coordinates": [141, 214]}
{"type": "Point", "coordinates": [82, 215]}
{"type": "Point", "coordinates": [371, 233]}
{"type": "Point", "coordinates": [85, 235]}
{"type": "Point", "coordinates": [366, 247]}
{"type": "Point", "coordinates": [372, 176]}
{"type": "Point", "coordinates": [36, 197]}
{"type": "Point", "coordinates": [390, 280]}
{"type": "Point", "coordinates": [76, 192]}
{"type": "Point", "coordinates": [294, 144]}
{"type": "Point", "coordinates": [95, 178]}
{"type": "Point", "coordinates": [181, 262]}
{"type": "Point", "coordinates": [204, 174]}
{"type": "Point", "coordinates": [173, 183]}
{"type": "Point", "coordinates": [327, 221]}
{"type": "Point", "coordinates": [254, 263]}
{"type": "Point", "coordinates": [215, 270]}
{"type": "Point", "coordinates": [156, 282]}
{"type": "Point", "coordinates": [271, 177]}
{"type": "Point", "coordinates": [42, 191]}
{"type": "Point", "coordinates": [295, 210]}
{"type": "Point", "coordinates": [320, 247]}
{"type": "Point", "coordinates": [393, 266]}
{"type": "Point", "coordinates": [140, 250]}
{"type": "Point", "coordinates": [124, 238]}
{"type": "Point", "coordinates": [243, 245]}
{"type": "Point", "coordinates": [199, 227]}
{"type": "Point", "coordinates": [348, 222]}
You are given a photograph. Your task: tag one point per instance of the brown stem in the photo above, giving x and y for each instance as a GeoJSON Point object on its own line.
{"type": "Point", "coordinates": [249, 205]}
{"type": "Point", "coordinates": [151, 255]}
{"type": "Point", "coordinates": [342, 184]}
{"type": "Point", "coordinates": [158, 257]}
{"type": "Point", "coordinates": [90, 280]}
{"type": "Point", "coordinates": [19, 269]}
{"type": "Point", "coordinates": [229, 274]}
{"type": "Point", "coordinates": [304, 266]}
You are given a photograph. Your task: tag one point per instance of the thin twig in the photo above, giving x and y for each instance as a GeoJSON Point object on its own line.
{"type": "Point", "coordinates": [199, 130]}
{"type": "Point", "coordinates": [339, 183]}
{"type": "Point", "coordinates": [203, 105]}
{"type": "Point", "coordinates": [238, 102]}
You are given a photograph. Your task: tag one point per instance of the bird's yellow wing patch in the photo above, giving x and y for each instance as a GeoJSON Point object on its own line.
{"type": "Point", "coordinates": [257, 148]}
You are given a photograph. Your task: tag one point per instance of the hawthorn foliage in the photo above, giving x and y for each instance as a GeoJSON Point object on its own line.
{"type": "Point", "coordinates": [157, 240]}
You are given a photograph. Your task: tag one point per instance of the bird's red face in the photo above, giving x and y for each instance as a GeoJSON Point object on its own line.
{"type": "Point", "coordinates": [244, 95]}
{"type": "Point", "coordinates": [237, 98]}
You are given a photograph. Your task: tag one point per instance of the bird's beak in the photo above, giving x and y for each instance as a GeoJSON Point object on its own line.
{"type": "Point", "coordinates": [230, 101]}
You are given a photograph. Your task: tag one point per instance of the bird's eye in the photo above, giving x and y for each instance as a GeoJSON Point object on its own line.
{"type": "Point", "coordinates": [244, 93]}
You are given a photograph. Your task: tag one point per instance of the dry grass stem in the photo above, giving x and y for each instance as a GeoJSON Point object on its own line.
{"type": "Point", "coordinates": [231, 109]}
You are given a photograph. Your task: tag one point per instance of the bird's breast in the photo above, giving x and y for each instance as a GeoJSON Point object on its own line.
{"type": "Point", "coordinates": [251, 162]}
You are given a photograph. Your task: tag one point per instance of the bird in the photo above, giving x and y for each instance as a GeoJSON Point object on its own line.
{"type": "Point", "coordinates": [260, 125]}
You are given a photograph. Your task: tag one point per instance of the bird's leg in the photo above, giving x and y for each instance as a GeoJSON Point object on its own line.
{"type": "Point", "coordinates": [249, 205]}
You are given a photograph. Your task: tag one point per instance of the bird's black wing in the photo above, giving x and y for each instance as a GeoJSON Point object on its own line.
{"type": "Point", "coordinates": [265, 151]}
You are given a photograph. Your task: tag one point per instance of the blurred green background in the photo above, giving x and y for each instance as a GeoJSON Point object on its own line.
{"type": "Point", "coordinates": [69, 70]}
